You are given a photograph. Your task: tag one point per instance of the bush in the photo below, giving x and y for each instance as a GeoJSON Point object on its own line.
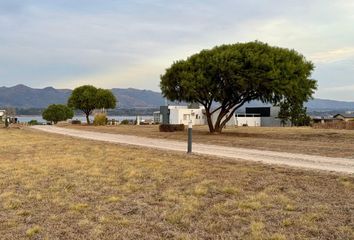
{"type": "Point", "coordinates": [100, 119]}
{"type": "Point", "coordinates": [171, 127]}
{"type": "Point", "coordinates": [33, 122]}
{"type": "Point", "coordinates": [76, 121]}
{"type": "Point", "coordinates": [124, 122]}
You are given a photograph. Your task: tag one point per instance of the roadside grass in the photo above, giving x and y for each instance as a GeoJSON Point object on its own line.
{"type": "Point", "coordinates": [56, 187]}
{"type": "Point", "coordinates": [322, 142]}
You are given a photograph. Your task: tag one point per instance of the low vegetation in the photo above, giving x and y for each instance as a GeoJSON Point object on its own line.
{"type": "Point", "coordinates": [100, 119]}
{"type": "Point", "coordinates": [171, 127]}
{"type": "Point", "coordinates": [125, 122]}
{"type": "Point", "coordinates": [56, 187]}
{"type": "Point", "coordinates": [33, 122]}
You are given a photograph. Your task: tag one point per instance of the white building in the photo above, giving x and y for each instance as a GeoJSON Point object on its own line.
{"type": "Point", "coordinates": [260, 116]}
{"type": "Point", "coordinates": [249, 120]}
{"type": "Point", "coordinates": [2, 115]}
{"type": "Point", "coordinates": [183, 115]}
{"type": "Point", "coordinates": [157, 117]}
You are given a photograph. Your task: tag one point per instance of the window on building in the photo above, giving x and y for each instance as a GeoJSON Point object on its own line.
{"type": "Point", "coordinates": [186, 117]}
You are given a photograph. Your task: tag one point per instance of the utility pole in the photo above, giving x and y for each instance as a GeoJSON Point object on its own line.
{"type": "Point", "coordinates": [190, 126]}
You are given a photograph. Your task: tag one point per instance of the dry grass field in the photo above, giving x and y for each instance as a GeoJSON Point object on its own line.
{"type": "Point", "coordinates": [55, 187]}
{"type": "Point", "coordinates": [323, 142]}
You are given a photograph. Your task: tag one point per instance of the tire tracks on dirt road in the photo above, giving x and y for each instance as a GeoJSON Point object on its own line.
{"type": "Point", "coordinates": [343, 165]}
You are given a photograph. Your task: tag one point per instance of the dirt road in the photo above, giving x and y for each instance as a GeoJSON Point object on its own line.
{"type": "Point", "coordinates": [344, 165]}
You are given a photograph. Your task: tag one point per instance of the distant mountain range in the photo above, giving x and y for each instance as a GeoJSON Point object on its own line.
{"type": "Point", "coordinates": [21, 96]}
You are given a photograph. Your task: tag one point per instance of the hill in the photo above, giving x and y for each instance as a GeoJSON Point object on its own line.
{"type": "Point", "coordinates": [21, 96]}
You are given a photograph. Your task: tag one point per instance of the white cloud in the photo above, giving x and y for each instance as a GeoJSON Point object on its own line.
{"type": "Point", "coordinates": [334, 55]}
{"type": "Point", "coordinates": [130, 43]}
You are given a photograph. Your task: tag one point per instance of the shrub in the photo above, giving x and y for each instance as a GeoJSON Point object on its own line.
{"type": "Point", "coordinates": [100, 119]}
{"type": "Point", "coordinates": [171, 127]}
{"type": "Point", "coordinates": [124, 122]}
{"type": "Point", "coordinates": [33, 122]}
{"type": "Point", "coordinates": [76, 121]}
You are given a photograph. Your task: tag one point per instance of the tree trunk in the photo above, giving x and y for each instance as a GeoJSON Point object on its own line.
{"type": "Point", "coordinates": [209, 120]}
{"type": "Point", "coordinates": [218, 124]}
{"type": "Point", "coordinates": [231, 115]}
{"type": "Point", "coordinates": [88, 118]}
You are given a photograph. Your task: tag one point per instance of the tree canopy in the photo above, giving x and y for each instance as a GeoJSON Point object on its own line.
{"type": "Point", "coordinates": [57, 112]}
{"type": "Point", "coordinates": [231, 75]}
{"type": "Point", "coordinates": [88, 98]}
{"type": "Point", "coordinates": [294, 112]}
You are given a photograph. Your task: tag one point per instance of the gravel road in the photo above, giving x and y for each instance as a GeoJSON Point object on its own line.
{"type": "Point", "coordinates": [343, 165]}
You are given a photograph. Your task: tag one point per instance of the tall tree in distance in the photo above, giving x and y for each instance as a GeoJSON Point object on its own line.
{"type": "Point", "coordinates": [88, 98]}
{"type": "Point", "coordinates": [231, 75]}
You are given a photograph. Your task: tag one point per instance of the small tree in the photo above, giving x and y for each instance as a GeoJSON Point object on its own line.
{"type": "Point", "coordinates": [57, 112]}
{"type": "Point", "coordinates": [231, 75]}
{"type": "Point", "coordinates": [294, 112]}
{"type": "Point", "coordinates": [88, 98]}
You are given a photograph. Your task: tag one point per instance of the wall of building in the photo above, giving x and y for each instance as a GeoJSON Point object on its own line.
{"type": "Point", "coordinates": [272, 122]}
{"type": "Point", "coordinates": [2, 115]}
{"type": "Point", "coordinates": [231, 122]}
{"type": "Point", "coordinates": [251, 121]}
{"type": "Point", "coordinates": [179, 115]}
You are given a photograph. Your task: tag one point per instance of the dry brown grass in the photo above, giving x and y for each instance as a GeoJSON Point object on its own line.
{"type": "Point", "coordinates": [55, 187]}
{"type": "Point", "coordinates": [336, 125]}
{"type": "Point", "coordinates": [323, 142]}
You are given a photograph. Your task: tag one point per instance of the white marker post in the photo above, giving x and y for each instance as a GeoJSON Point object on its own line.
{"type": "Point", "coordinates": [190, 126]}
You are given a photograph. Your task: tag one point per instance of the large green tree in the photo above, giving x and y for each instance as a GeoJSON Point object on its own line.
{"type": "Point", "coordinates": [88, 98]}
{"type": "Point", "coordinates": [57, 112]}
{"type": "Point", "coordinates": [231, 75]}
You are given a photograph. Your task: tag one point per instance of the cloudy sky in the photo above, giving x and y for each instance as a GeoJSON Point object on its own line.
{"type": "Point", "coordinates": [116, 43]}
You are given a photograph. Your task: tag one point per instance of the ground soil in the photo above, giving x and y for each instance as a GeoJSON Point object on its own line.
{"type": "Point", "coordinates": [345, 165]}
{"type": "Point", "coordinates": [322, 142]}
{"type": "Point", "coordinates": [57, 187]}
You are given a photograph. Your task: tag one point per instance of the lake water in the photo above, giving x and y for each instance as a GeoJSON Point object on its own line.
{"type": "Point", "coordinates": [25, 119]}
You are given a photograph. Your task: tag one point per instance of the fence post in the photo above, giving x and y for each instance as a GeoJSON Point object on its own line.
{"type": "Point", "coordinates": [190, 126]}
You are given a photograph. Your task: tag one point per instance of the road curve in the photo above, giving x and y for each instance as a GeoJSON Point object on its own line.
{"type": "Point", "coordinates": [343, 165]}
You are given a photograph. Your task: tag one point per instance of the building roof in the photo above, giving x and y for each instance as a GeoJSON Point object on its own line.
{"type": "Point", "coordinates": [344, 115]}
